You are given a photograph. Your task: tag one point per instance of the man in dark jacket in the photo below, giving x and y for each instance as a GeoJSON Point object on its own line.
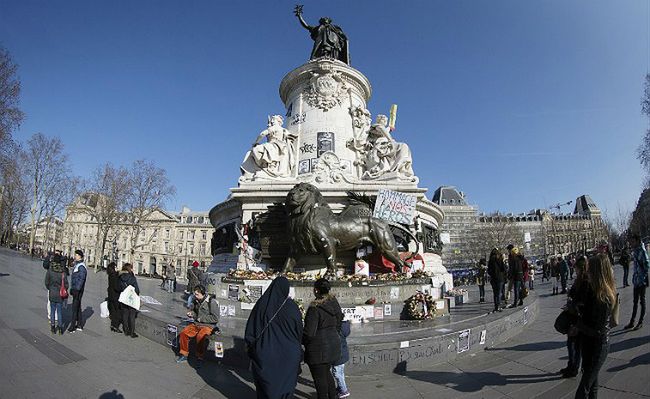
{"type": "Point", "coordinates": [624, 260]}
{"type": "Point", "coordinates": [77, 283]}
{"type": "Point", "coordinates": [206, 316]}
{"type": "Point", "coordinates": [516, 270]}
{"type": "Point", "coordinates": [564, 273]}
{"type": "Point", "coordinates": [194, 278]}
{"type": "Point", "coordinates": [338, 370]}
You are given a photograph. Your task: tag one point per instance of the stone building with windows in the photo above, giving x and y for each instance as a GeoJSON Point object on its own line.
{"type": "Point", "coordinates": [177, 238]}
{"type": "Point", "coordinates": [49, 234]}
{"type": "Point", "coordinates": [469, 235]}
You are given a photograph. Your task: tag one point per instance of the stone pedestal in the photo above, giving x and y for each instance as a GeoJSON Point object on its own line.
{"type": "Point", "coordinates": [330, 132]}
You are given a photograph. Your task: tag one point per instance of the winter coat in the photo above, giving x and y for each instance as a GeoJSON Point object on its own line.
{"type": "Point", "coordinates": [641, 264]}
{"type": "Point", "coordinates": [78, 278]}
{"type": "Point", "coordinates": [53, 277]}
{"type": "Point", "coordinates": [206, 311]}
{"type": "Point", "coordinates": [273, 335]}
{"type": "Point", "coordinates": [564, 269]}
{"type": "Point", "coordinates": [171, 273]}
{"type": "Point", "coordinates": [126, 279]}
{"type": "Point", "coordinates": [321, 332]}
{"type": "Point", "coordinates": [113, 289]}
{"type": "Point", "coordinates": [194, 277]}
{"type": "Point", "coordinates": [496, 271]}
{"type": "Point", "coordinates": [345, 352]}
{"type": "Point", "coordinates": [516, 266]}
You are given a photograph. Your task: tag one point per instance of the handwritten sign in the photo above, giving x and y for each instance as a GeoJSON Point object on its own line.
{"type": "Point", "coordinates": [395, 207]}
{"type": "Point", "coordinates": [172, 333]}
{"type": "Point", "coordinates": [352, 315]}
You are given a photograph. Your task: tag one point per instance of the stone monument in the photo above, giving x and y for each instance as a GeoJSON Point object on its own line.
{"type": "Point", "coordinates": [327, 138]}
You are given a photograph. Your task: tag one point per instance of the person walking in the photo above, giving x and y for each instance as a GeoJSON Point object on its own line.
{"type": "Point", "coordinates": [624, 260]}
{"type": "Point", "coordinates": [497, 272]}
{"type": "Point", "coordinates": [163, 283]}
{"type": "Point", "coordinates": [546, 271]}
{"type": "Point", "coordinates": [128, 313]}
{"type": "Point", "coordinates": [574, 305]}
{"type": "Point", "coordinates": [480, 279]}
{"type": "Point", "coordinates": [338, 370]}
{"type": "Point", "coordinates": [273, 337]}
{"type": "Point", "coordinates": [594, 324]}
{"type": "Point", "coordinates": [555, 275]}
{"type": "Point", "coordinates": [639, 279]}
{"type": "Point", "coordinates": [531, 277]}
{"type": "Point", "coordinates": [564, 273]}
{"type": "Point", "coordinates": [321, 338]}
{"type": "Point", "coordinates": [78, 283]}
{"type": "Point", "coordinates": [113, 291]}
{"type": "Point", "coordinates": [55, 278]}
{"type": "Point", "coordinates": [171, 278]}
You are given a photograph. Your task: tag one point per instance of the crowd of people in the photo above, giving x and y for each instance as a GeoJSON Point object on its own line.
{"type": "Point", "coordinates": [276, 332]}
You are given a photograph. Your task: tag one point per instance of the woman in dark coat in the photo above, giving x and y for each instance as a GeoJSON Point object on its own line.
{"type": "Point", "coordinates": [321, 339]}
{"type": "Point", "coordinates": [273, 336]}
{"type": "Point", "coordinates": [497, 272]}
{"type": "Point", "coordinates": [127, 278]}
{"type": "Point", "coordinates": [114, 291]}
{"type": "Point", "coordinates": [54, 276]}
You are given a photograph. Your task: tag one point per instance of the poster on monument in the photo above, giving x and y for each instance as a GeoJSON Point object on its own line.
{"type": "Point", "coordinates": [324, 143]}
{"type": "Point", "coordinates": [304, 166]}
{"type": "Point", "coordinates": [172, 333]}
{"type": "Point", "coordinates": [463, 341]}
{"type": "Point", "coordinates": [253, 290]}
{"type": "Point", "coordinates": [395, 207]}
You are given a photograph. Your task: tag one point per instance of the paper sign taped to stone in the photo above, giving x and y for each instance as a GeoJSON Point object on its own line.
{"type": "Point", "coordinates": [233, 292]}
{"type": "Point", "coordinates": [172, 332]}
{"type": "Point", "coordinates": [223, 310]}
{"type": "Point", "coordinates": [388, 309]}
{"type": "Point", "coordinates": [231, 310]}
{"type": "Point", "coordinates": [379, 313]}
{"type": "Point", "coordinates": [352, 315]}
{"type": "Point", "coordinates": [394, 292]}
{"type": "Point", "coordinates": [218, 349]}
{"type": "Point", "coordinates": [482, 339]}
{"type": "Point", "coordinates": [463, 341]}
{"type": "Point", "coordinates": [395, 207]}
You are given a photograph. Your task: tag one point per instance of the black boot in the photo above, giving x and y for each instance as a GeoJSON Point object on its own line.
{"type": "Point", "coordinates": [60, 330]}
{"type": "Point", "coordinates": [53, 329]}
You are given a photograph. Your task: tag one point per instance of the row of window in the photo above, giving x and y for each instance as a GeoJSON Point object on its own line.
{"type": "Point", "coordinates": [191, 234]}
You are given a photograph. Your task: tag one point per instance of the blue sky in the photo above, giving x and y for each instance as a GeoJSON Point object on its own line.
{"type": "Point", "coordinates": [521, 104]}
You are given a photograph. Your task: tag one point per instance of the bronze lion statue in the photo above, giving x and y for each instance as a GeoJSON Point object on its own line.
{"type": "Point", "coordinates": [315, 229]}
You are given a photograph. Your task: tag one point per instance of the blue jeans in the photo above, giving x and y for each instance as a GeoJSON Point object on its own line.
{"type": "Point", "coordinates": [594, 352]}
{"type": "Point", "coordinates": [339, 377]}
{"type": "Point", "coordinates": [56, 309]}
{"type": "Point", "coordinates": [190, 300]}
{"type": "Point", "coordinates": [516, 288]}
{"type": "Point", "coordinates": [573, 347]}
{"type": "Point", "coordinates": [496, 291]}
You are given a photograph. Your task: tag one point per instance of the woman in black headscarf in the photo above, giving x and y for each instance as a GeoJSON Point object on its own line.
{"type": "Point", "coordinates": [273, 337]}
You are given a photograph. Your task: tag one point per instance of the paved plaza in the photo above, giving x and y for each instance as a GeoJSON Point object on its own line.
{"type": "Point", "coordinates": [96, 363]}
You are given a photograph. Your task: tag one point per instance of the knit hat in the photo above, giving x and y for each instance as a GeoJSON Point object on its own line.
{"type": "Point", "coordinates": [79, 252]}
{"type": "Point", "coordinates": [195, 264]}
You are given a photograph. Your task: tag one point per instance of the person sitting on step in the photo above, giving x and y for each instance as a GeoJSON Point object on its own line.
{"type": "Point", "coordinates": [205, 314]}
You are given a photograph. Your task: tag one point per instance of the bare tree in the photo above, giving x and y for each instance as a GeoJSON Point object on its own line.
{"type": "Point", "coordinates": [497, 231]}
{"type": "Point", "coordinates": [109, 188]}
{"type": "Point", "coordinates": [149, 189]}
{"type": "Point", "coordinates": [14, 197]}
{"type": "Point", "coordinates": [643, 152]}
{"type": "Point", "coordinates": [50, 181]}
{"type": "Point", "coordinates": [10, 115]}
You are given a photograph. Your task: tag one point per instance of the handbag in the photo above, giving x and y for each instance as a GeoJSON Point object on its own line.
{"type": "Point", "coordinates": [615, 317]}
{"type": "Point", "coordinates": [524, 292]}
{"type": "Point", "coordinates": [563, 321]}
{"type": "Point", "coordinates": [130, 298]}
{"type": "Point", "coordinates": [62, 291]}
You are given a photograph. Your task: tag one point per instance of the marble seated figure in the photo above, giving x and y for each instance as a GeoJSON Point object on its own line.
{"type": "Point", "coordinates": [273, 159]}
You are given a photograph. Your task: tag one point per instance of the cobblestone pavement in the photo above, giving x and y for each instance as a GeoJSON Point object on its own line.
{"type": "Point", "coordinates": [96, 363]}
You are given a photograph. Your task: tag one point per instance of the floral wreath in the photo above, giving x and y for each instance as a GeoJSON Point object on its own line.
{"type": "Point", "coordinates": [420, 306]}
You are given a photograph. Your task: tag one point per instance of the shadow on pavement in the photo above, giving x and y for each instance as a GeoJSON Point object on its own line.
{"type": "Point", "coordinates": [468, 381]}
{"type": "Point", "coordinates": [87, 313]}
{"type": "Point", "coordinates": [628, 344]}
{"type": "Point", "coordinates": [531, 347]}
{"type": "Point", "coordinates": [111, 395]}
{"type": "Point", "coordinates": [637, 361]}
{"type": "Point", "coordinates": [4, 274]}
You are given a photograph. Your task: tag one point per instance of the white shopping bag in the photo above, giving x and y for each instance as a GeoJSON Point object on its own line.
{"type": "Point", "coordinates": [130, 298]}
{"type": "Point", "coordinates": [103, 309]}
